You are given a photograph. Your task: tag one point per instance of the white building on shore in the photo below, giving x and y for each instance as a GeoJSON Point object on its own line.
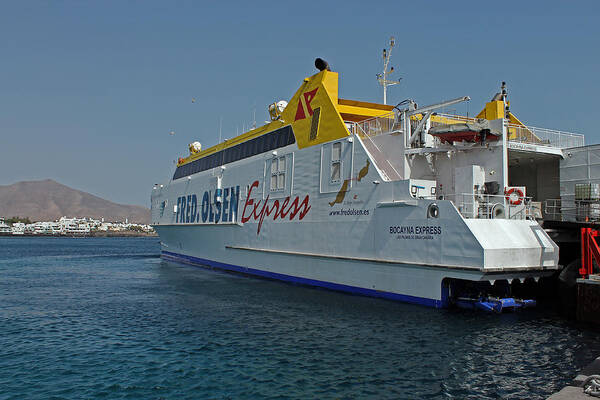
{"type": "Point", "coordinates": [74, 226]}
{"type": "Point", "coordinates": [71, 227]}
{"type": "Point", "coordinates": [18, 228]}
{"type": "Point", "coordinates": [4, 228]}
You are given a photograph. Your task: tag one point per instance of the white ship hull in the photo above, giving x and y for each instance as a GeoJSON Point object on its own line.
{"type": "Point", "coordinates": [392, 250]}
{"type": "Point", "coordinates": [409, 283]}
{"type": "Point", "coordinates": [374, 207]}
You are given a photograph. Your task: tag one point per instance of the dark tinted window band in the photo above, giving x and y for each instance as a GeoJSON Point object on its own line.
{"type": "Point", "coordinates": [273, 140]}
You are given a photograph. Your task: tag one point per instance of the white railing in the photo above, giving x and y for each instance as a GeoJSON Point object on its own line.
{"type": "Point", "coordinates": [385, 167]}
{"type": "Point", "coordinates": [554, 210]}
{"type": "Point", "coordinates": [526, 134]}
{"type": "Point", "coordinates": [543, 136]}
{"type": "Point", "coordinates": [571, 210]}
{"type": "Point", "coordinates": [487, 206]}
{"type": "Point", "coordinates": [386, 123]}
{"type": "Point", "coordinates": [450, 117]}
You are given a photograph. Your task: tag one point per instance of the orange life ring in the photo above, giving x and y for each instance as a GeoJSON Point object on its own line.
{"type": "Point", "coordinates": [510, 199]}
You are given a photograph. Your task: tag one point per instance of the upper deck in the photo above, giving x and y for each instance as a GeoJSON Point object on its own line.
{"type": "Point", "coordinates": [314, 115]}
{"type": "Point", "coordinates": [519, 136]}
{"type": "Point", "coordinates": [404, 143]}
{"type": "Point", "coordinates": [317, 114]}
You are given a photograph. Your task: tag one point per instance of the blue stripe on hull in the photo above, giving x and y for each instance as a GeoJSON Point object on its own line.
{"type": "Point", "coordinates": [303, 281]}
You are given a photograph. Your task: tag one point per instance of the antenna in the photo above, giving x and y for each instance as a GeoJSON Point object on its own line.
{"type": "Point", "coordinates": [254, 116]}
{"type": "Point", "coordinates": [220, 126]}
{"type": "Point", "coordinates": [504, 96]}
{"type": "Point", "coordinates": [383, 77]}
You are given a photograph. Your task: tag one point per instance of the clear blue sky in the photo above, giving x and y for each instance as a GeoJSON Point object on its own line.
{"type": "Point", "coordinates": [90, 90]}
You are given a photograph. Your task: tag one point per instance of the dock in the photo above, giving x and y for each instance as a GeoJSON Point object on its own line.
{"type": "Point", "coordinates": [574, 391]}
{"type": "Point", "coordinates": [588, 299]}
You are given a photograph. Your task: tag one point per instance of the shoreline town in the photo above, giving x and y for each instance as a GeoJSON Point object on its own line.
{"type": "Point", "coordinates": [74, 227]}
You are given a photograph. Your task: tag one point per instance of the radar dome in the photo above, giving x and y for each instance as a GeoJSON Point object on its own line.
{"type": "Point", "coordinates": [195, 147]}
{"type": "Point", "coordinates": [276, 109]}
{"type": "Point", "coordinates": [281, 105]}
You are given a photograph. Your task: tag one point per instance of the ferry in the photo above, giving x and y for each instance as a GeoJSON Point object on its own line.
{"type": "Point", "coordinates": [400, 202]}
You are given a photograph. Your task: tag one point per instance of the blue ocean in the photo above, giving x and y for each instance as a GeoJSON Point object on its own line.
{"type": "Point", "coordinates": [106, 318]}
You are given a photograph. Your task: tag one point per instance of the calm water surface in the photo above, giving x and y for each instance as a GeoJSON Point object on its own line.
{"type": "Point", "coordinates": [106, 318]}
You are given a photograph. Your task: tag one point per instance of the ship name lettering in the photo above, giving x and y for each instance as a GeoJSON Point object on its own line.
{"type": "Point", "coordinates": [418, 230]}
{"type": "Point", "coordinates": [211, 210]}
{"type": "Point", "coordinates": [187, 209]}
{"type": "Point", "coordinates": [277, 209]}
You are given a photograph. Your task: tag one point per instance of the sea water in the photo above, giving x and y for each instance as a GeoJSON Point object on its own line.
{"type": "Point", "coordinates": [107, 318]}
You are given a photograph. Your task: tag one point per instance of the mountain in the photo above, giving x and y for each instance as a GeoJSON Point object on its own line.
{"type": "Point", "coordinates": [49, 200]}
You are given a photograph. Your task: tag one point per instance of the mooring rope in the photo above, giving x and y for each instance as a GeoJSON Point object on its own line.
{"type": "Point", "coordinates": [591, 386]}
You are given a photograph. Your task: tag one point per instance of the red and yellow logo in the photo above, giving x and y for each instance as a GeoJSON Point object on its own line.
{"type": "Point", "coordinates": [308, 98]}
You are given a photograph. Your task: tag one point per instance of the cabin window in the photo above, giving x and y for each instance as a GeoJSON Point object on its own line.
{"type": "Point", "coordinates": [270, 141]}
{"type": "Point", "coordinates": [336, 162]}
{"type": "Point", "coordinates": [278, 173]}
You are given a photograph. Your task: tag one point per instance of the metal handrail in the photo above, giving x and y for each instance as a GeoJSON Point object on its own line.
{"type": "Point", "coordinates": [380, 159]}
{"type": "Point", "coordinates": [453, 117]}
{"type": "Point", "coordinates": [488, 205]}
{"type": "Point", "coordinates": [386, 123]}
{"type": "Point", "coordinates": [543, 136]}
{"type": "Point", "coordinates": [572, 210]}
{"type": "Point", "coordinates": [379, 125]}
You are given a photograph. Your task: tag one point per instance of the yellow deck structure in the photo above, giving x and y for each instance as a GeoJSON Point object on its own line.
{"type": "Point", "coordinates": [316, 115]}
{"type": "Point", "coordinates": [315, 112]}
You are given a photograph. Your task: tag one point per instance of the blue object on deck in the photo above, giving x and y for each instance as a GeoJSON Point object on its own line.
{"type": "Point", "coordinates": [488, 306]}
{"type": "Point", "coordinates": [509, 302]}
{"type": "Point", "coordinates": [492, 304]}
{"type": "Point", "coordinates": [528, 303]}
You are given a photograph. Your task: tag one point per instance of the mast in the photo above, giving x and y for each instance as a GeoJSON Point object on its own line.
{"type": "Point", "coordinates": [383, 77]}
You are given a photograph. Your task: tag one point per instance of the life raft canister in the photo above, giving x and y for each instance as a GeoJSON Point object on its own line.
{"type": "Point", "coordinates": [516, 199]}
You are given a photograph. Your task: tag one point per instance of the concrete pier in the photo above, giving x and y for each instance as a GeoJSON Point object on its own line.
{"type": "Point", "coordinates": [574, 391]}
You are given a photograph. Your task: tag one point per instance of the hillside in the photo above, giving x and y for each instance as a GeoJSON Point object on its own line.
{"type": "Point", "coordinates": [49, 200]}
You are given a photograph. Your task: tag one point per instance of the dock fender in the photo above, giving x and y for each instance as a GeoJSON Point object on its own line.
{"type": "Point", "coordinates": [567, 287]}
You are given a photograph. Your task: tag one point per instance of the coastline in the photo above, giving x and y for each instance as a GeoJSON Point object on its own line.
{"type": "Point", "coordinates": [91, 234]}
